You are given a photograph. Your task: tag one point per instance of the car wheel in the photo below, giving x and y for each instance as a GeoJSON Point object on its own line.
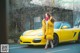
{"type": "Point", "coordinates": [79, 37]}
{"type": "Point", "coordinates": [56, 40]}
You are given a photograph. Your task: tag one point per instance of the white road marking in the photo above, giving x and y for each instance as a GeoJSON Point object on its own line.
{"type": "Point", "coordinates": [58, 50]}
{"type": "Point", "coordinates": [16, 47]}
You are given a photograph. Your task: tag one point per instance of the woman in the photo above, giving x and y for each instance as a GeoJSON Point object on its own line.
{"type": "Point", "coordinates": [48, 29]}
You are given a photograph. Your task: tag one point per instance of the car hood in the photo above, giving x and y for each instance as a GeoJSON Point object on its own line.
{"type": "Point", "coordinates": [32, 32]}
{"type": "Point", "coordinates": [35, 32]}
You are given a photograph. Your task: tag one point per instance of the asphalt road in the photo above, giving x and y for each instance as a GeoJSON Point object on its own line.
{"type": "Point", "coordinates": [61, 48]}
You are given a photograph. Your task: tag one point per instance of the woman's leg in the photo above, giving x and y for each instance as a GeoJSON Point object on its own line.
{"type": "Point", "coordinates": [46, 44]}
{"type": "Point", "coordinates": [51, 42]}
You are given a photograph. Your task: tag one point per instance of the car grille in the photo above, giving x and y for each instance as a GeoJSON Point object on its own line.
{"type": "Point", "coordinates": [36, 41]}
{"type": "Point", "coordinates": [26, 42]}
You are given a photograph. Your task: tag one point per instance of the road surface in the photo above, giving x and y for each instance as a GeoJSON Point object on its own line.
{"type": "Point", "coordinates": [61, 48]}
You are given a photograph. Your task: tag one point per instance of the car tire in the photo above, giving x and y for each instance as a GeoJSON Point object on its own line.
{"type": "Point", "coordinates": [79, 37]}
{"type": "Point", "coordinates": [56, 40]}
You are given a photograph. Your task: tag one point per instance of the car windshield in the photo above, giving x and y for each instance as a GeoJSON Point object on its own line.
{"type": "Point", "coordinates": [57, 25]}
{"type": "Point", "coordinates": [66, 24]}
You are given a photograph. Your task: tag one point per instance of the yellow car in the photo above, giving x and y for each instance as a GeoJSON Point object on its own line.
{"type": "Point", "coordinates": [63, 32]}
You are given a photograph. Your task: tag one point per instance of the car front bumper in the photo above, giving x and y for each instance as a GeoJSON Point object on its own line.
{"type": "Point", "coordinates": [30, 40]}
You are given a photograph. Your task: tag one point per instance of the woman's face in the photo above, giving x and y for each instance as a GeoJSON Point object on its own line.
{"type": "Point", "coordinates": [46, 15]}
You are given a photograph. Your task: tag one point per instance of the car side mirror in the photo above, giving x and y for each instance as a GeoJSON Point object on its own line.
{"type": "Point", "coordinates": [64, 27]}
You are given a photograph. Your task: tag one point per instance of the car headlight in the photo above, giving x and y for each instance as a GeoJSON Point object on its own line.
{"type": "Point", "coordinates": [37, 39]}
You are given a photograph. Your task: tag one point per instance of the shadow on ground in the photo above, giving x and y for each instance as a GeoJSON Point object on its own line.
{"type": "Point", "coordinates": [59, 45]}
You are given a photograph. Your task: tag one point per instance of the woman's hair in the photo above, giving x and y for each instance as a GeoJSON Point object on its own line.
{"type": "Point", "coordinates": [48, 14]}
{"type": "Point", "coordinates": [52, 20]}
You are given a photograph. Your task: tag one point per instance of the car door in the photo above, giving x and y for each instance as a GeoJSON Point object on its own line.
{"type": "Point", "coordinates": [66, 33]}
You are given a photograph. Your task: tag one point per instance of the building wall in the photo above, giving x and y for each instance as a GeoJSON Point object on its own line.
{"type": "Point", "coordinates": [59, 15]}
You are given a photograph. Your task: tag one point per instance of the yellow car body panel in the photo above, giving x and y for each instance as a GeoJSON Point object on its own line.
{"type": "Point", "coordinates": [68, 35]}
{"type": "Point", "coordinates": [63, 34]}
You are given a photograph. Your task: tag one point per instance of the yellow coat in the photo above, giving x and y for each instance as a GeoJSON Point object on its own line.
{"type": "Point", "coordinates": [48, 30]}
